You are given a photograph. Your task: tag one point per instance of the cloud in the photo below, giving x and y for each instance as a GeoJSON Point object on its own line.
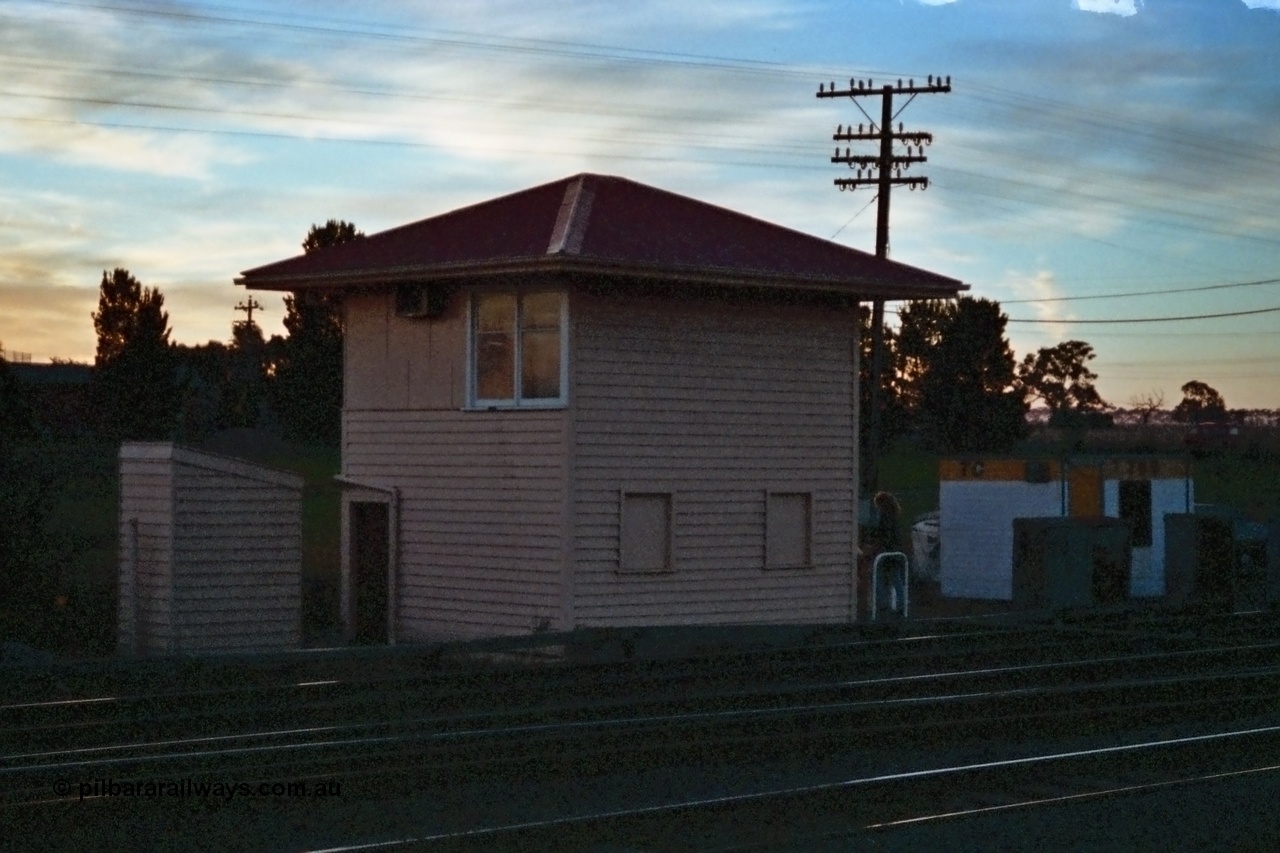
{"type": "Point", "coordinates": [1124, 8]}
{"type": "Point", "coordinates": [1263, 4]}
{"type": "Point", "coordinates": [1042, 285]}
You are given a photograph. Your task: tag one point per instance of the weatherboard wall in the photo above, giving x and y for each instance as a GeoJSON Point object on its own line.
{"type": "Point", "coordinates": [481, 527]}
{"type": "Point", "coordinates": [219, 556]}
{"type": "Point", "coordinates": [145, 613]}
{"type": "Point", "coordinates": [714, 404]}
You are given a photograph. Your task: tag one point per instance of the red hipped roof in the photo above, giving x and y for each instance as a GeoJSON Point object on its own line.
{"type": "Point", "coordinates": [603, 225]}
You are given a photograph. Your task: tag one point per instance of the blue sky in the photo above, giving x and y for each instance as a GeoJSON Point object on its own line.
{"type": "Point", "coordinates": [1089, 148]}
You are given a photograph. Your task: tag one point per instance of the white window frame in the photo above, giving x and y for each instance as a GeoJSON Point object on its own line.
{"type": "Point", "coordinates": [517, 402]}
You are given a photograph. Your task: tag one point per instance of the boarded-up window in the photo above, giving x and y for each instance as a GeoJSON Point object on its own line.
{"type": "Point", "coordinates": [646, 532]}
{"type": "Point", "coordinates": [789, 530]}
{"type": "Point", "coordinates": [1135, 508]}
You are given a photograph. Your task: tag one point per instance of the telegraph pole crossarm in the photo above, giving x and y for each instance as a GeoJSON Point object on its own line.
{"type": "Point", "coordinates": [249, 307]}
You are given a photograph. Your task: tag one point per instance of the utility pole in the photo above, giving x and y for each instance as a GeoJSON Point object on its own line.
{"type": "Point", "coordinates": [884, 171]}
{"type": "Point", "coordinates": [249, 307]}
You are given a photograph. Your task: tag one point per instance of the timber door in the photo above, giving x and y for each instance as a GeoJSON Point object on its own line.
{"type": "Point", "coordinates": [370, 569]}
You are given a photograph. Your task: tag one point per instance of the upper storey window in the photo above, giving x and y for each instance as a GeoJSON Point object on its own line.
{"type": "Point", "coordinates": [518, 348]}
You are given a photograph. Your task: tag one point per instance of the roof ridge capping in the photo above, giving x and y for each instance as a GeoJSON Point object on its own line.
{"type": "Point", "coordinates": [571, 222]}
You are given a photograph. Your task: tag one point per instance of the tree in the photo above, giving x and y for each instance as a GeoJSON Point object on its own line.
{"type": "Point", "coordinates": [920, 329]}
{"type": "Point", "coordinates": [891, 421]}
{"type": "Point", "coordinates": [1200, 402]}
{"type": "Point", "coordinates": [332, 233]}
{"type": "Point", "coordinates": [1146, 405]}
{"type": "Point", "coordinates": [135, 392]}
{"type": "Point", "coordinates": [308, 366]}
{"type": "Point", "coordinates": [968, 397]}
{"type": "Point", "coordinates": [1058, 377]}
{"type": "Point", "coordinates": [243, 403]}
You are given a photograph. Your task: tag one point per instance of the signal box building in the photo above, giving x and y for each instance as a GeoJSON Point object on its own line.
{"type": "Point", "coordinates": [596, 403]}
{"type": "Point", "coordinates": [980, 498]}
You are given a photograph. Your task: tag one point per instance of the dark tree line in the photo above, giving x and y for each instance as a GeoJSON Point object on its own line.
{"type": "Point", "coordinates": [145, 387]}
{"type": "Point", "coordinates": [953, 381]}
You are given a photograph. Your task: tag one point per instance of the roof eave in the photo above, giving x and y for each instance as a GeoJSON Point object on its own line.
{"type": "Point", "coordinates": [867, 288]}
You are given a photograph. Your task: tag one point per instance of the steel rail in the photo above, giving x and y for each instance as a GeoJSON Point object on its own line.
{"type": "Point", "coordinates": [778, 684]}
{"type": "Point", "coordinates": [779, 692]}
{"type": "Point", "coordinates": [655, 733]}
{"type": "Point", "coordinates": [603, 824]}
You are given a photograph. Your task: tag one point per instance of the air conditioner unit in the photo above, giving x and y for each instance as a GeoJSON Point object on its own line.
{"type": "Point", "coordinates": [422, 301]}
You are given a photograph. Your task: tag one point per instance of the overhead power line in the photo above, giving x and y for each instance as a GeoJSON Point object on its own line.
{"type": "Point", "coordinates": [1152, 319]}
{"type": "Point", "coordinates": [1142, 292]}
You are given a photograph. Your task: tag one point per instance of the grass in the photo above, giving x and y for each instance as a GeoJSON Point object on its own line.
{"type": "Point", "coordinates": [71, 606]}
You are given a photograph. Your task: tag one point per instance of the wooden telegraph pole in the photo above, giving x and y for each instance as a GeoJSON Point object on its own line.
{"type": "Point", "coordinates": [883, 171]}
{"type": "Point", "coordinates": [249, 307]}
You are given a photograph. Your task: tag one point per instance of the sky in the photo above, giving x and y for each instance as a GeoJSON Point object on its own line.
{"type": "Point", "coordinates": [1096, 160]}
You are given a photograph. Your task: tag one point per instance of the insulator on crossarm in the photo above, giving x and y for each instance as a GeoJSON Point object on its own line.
{"type": "Point", "coordinates": [899, 127]}
{"type": "Point", "coordinates": [837, 154]}
{"type": "Point", "coordinates": [859, 128]}
{"type": "Point", "coordinates": [839, 129]}
{"type": "Point", "coordinates": [930, 79]}
{"type": "Point", "coordinates": [899, 82]}
{"type": "Point", "coordinates": [911, 83]}
{"type": "Point", "coordinates": [948, 79]}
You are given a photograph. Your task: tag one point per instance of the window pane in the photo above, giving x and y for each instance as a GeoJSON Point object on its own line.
{"type": "Point", "coordinates": [540, 365]}
{"type": "Point", "coordinates": [495, 346]}
{"type": "Point", "coordinates": [495, 312]}
{"type": "Point", "coordinates": [541, 311]}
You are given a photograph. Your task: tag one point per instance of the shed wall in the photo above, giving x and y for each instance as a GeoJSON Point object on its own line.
{"type": "Point", "coordinates": [716, 404]}
{"type": "Point", "coordinates": [1147, 575]}
{"type": "Point", "coordinates": [145, 621]}
{"type": "Point", "coordinates": [238, 548]}
{"type": "Point", "coordinates": [976, 532]}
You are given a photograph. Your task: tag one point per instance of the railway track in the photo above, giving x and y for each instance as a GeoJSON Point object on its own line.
{"type": "Point", "coordinates": [403, 731]}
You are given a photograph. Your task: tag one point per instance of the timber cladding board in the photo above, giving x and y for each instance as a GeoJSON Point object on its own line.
{"type": "Point", "coordinates": [219, 547]}
{"type": "Point", "coordinates": [716, 405]}
{"type": "Point", "coordinates": [481, 529]}
{"type": "Point", "coordinates": [396, 362]}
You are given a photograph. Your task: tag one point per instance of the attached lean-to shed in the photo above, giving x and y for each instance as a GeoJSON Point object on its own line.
{"type": "Point", "coordinates": [211, 553]}
{"type": "Point", "coordinates": [596, 403]}
{"type": "Point", "coordinates": [980, 498]}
